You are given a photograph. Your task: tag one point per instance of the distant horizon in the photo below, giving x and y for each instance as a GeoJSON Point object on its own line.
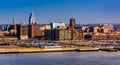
{"type": "Point", "coordinates": [47, 11]}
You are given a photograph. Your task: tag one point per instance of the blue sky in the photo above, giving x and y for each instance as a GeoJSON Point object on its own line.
{"type": "Point", "coordinates": [46, 11]}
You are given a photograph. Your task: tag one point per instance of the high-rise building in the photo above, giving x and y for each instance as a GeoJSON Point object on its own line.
{"type": "Point", "coordinates": [31, 19]}
{"type": "Point", "coordinates": [35, 31]}
{"type": "Point", "coordinates": [22, 31]}
{"type": "Point", "coordinates": [58, 34]}
{"type": "Point", "coordinates": [62, 35]}
{"type": "Point", "coordinates": [72, 23]}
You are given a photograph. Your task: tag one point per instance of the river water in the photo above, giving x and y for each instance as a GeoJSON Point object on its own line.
{"type": "Point", "coordinates": [62, 58]}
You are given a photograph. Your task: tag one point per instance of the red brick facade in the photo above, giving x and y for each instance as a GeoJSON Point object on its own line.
{"type": "Point", "coordinates": [35, 31]}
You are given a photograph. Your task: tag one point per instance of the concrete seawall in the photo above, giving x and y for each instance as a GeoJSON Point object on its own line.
{"type": "Point", "coordinates": [33, 50]}
{"type": "Point", "coordinates": [36, 50]}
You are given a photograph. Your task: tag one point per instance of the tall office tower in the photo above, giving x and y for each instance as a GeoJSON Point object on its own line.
{"type": "Point", "coordinates": [14, 23]}
{"type": "Point", "coordinates": [72, 23]}
{"type": "Point", "coordinates": [31, 19]}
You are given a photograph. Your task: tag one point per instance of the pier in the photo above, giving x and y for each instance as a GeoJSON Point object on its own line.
{"type": "Point", "coordinates": [109, 49]}
{"type": "Point", "coordinates": [87, 49]}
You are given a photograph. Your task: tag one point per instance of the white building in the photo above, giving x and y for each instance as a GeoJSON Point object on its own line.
{"type": "Point", "coordinates": [56, 25]}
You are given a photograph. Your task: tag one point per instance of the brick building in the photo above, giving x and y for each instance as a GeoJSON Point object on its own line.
{"type": "Point", "coordinates": [35, 31]}
{"type": "Point", "coordinates": [77, 34]}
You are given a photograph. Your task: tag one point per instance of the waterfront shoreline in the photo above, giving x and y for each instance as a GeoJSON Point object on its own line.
{"type": "Point", "coordinates": [33, 50]}
{"type": "Point", "coordinates": [41, 50]}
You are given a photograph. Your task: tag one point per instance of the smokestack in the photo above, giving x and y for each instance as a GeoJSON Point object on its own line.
{"type": "Point", "coordinates": [14, 23]}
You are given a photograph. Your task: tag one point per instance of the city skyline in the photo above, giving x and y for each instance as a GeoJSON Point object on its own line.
{"type": "Point", "coordinates": [47, 11]}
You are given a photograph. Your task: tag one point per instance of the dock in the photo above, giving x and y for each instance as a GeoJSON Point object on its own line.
{"type": "Point", "coordinates": [87, 49]}
{"type": "Point", "coordinates": [109, 49]}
